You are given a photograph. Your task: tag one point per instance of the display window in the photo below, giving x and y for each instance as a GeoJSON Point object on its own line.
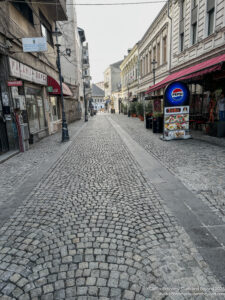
{"type": "Point", "coordinates": [35, 109]}
{"type": "Point", "coordinates": [54, 108]}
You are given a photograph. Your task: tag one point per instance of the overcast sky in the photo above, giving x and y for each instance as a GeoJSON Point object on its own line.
{"type": "Point", "coordinates": [111, 30]}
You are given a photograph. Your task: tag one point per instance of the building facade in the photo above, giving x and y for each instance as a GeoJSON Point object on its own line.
{"type": "Point", "coordinates": [26, 110]}
{"type": "Point", "coordinates": [112, 84]}
{"type": "Point", "coordinates": [98, 96]}
{"type": "Point", "coordinates": [129, 76]}
{"type": "Point", "coordinates": [154, 52]}
{"type": "Point", "coordinates": [71, 62]}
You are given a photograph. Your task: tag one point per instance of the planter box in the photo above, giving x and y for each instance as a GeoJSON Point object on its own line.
{"type": "Point", "coordinates": [133, 115]}
{"type": "Point", "coordinates": [157, 125]}
{"type": "Point", "coordinates": [141, 118]}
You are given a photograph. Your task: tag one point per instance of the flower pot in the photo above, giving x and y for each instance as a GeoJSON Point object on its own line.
{"type": "Point", "coordinates": [157, 125]}
{"type": "Point", "coordinates": [133, 115]}
{"type": "Point", "coordinates": [141, 118]}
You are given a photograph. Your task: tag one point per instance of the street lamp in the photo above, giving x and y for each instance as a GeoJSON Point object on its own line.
{"type": "Point", "coordinates": [65, 133]}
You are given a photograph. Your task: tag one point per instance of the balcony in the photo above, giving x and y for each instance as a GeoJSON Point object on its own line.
{"type": "Point", "coordinates": [58, 11]}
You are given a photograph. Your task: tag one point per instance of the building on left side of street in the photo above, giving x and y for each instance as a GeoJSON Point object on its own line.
{"type": "Point", "coordinates": [25, 109]}
{"type": "Point", "coordinates": [71, 62]}
{"type": "Point", "coordinates": [86, 77]}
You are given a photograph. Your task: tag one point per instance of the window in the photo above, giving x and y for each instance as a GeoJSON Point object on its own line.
{"type": "Point", "coordinates": [25, 10]}
{"type": "Point", "coordinates": [46, 29]}
{"type": "Point", "coordinates": [146, 64]}
{"type": "Point", "coordinates": [194, 33]}
{"type": "Point", "coordinates": [150, 61]}
{"type": "Point", "coordinates": [211, 21]}
{"type": "Point", "coordinates": [194, 3]}
{"type": "Point", "coordinates": [165, 50]}
{"type": "Point", "coordinates": [182, 9]}
{"type": "Point", "coordinates": [158, 54]}
{"type": "Point", "coordinates": [154, 53]}
{"type": "Point", "coordinates": [182, 42]}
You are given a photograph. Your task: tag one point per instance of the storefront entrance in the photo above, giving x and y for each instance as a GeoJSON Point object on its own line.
{"type": "Point", "coordinates": [35, 109]}
{"type": "Point", "coordinates": [4, 145]}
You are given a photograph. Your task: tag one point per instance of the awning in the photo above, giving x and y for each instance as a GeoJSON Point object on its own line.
{"type": "Point", "coordinates": [56, 87]}
{"type": "Point", "coordinates": [208, 66]}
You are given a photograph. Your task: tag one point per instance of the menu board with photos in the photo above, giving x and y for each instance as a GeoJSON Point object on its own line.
{"type": "Point", "coordinates": [176, 122]}
{"type": "Point", "coordinates": [176, 112]}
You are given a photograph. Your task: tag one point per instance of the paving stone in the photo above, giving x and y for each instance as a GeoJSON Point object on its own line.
{"type": "Point", "coordinates": [94, 227]}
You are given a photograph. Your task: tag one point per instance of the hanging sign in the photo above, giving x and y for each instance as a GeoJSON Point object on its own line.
{"type": "Point", "coordinates": [176, 111]}
{"type": "Point", "coordinates": [15, 83]}
{"type": "Point", "coordinates": [34, 44]}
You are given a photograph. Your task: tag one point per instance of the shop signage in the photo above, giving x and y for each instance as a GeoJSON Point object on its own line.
{"type": "Point", "coordinates": [39, 77]}
{"type": "Point", "coordinates": [177, 94]}
{"type": "Point", "coordinates": [50, 89]}
{"type": "Point", "coordinates": [14, 67]}
{"type": "Point", "coordinates": [25, 72]}
{"type": "Point", "coordinates": [34, 44]}
{"type": "Point", "coordinates": [176, 112]}
{"type": "Point", "coordinates": [15, 83]}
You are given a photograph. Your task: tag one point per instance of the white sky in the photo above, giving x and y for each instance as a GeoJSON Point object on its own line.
{"type": "Point", "coordinates": [111, 30]}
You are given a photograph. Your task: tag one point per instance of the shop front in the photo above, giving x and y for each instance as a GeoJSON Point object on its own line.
{"type": "Point", "coordinates": [29, 100]}
{"type": "Point", "coordinates": [205, 82]}
{"type": "Point", "coordinates": [55, 104]}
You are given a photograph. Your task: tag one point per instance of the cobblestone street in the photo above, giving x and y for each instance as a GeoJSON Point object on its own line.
{"type": "Point", "coordinates": [198, 162]}
{"type": "Point", "coordinates": [94, 227]}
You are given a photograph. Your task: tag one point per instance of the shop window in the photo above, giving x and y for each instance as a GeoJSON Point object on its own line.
{"type": "Point", "coordinates": [35, 109]}
{"type": "Point", "coordinates": [24, 10]}
{"type": "Point", "coordinates": [46, 29]}
{"type": "Point", "coordinates": [54, 108]}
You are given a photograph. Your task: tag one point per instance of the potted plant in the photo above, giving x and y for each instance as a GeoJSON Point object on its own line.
{"type": "Point", "coordinates": [125, 109]}
{"type": "Point", "coordinates": [133, 109]}
{"type": "Point", "coordinates": [157, 122]}
{"type": "Point", "coordinates": [148, 114]}
{"type": "Point", "coordinates": [140, 111]}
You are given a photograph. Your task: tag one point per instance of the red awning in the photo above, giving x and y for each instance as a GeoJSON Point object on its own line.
{"type": "Point", "coordinates": [208, 66]}
{"type": "Point", "coordinates": [56, 87]}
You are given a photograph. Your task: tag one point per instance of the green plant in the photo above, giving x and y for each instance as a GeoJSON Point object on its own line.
{"type": "Point", "coordinates": [157, 114]}
{"type": "Point", "coordinates": [149, 108]}
{"type": "Point", "coordinates": [140, 109]}
{"type": "Point", "coordinates": [133, 108]}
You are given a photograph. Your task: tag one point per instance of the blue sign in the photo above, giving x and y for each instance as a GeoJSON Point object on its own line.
{"type": "Point", "coordinates": [177, 94]}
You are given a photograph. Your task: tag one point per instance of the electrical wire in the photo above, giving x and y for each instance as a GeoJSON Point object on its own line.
{"type": "Point", "coordinates": [94, 4]}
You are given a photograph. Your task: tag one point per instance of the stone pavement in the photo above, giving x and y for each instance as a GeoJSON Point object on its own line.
{"type": "Point", "coordinates": [95, 228]}
{"type": "Point", "coordinates": [198, 163]}
{"type": "Point", "coordinates": [15, 171]}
